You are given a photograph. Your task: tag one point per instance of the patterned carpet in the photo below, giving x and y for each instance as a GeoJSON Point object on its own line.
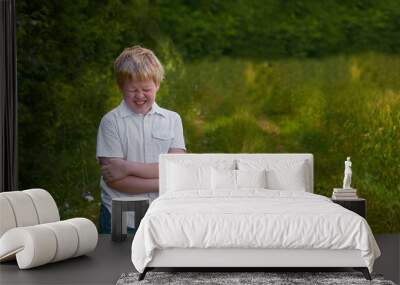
{"type": "Point", "coordinates": [231, 278]}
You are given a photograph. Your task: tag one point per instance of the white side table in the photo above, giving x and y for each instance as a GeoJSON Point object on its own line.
{"type": "Point", "coordinates": [120, 206]}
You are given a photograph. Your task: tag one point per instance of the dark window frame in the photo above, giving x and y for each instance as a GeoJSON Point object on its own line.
{"type": "Point", "coordinates": [8, 97]}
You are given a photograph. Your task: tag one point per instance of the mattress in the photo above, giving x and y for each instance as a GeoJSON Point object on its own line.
{"type": "Point", "coordinates": [251, 219]}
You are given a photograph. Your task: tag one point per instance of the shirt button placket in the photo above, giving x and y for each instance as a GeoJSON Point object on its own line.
{"type": "Point", "coordinates": [146, 137]}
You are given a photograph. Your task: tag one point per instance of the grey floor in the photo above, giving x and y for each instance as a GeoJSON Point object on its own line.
{"type": "Point", "coordinates": [389, 262]}
{"type": "Point", "coordinates": [103, 266]}
{"type": "Point", "coordinates": [110, 260]}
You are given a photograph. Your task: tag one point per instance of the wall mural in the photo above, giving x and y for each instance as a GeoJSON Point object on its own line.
{"type": "Point", "coordinates": [248, 76]}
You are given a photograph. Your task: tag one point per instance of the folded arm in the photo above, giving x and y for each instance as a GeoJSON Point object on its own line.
{"type": "Point", "coordinates": [131, 176]}
{"type": "Point", "coordinates": [134, 185]}
{"type": "Point", "coordinates": [123, 175]}
{"type": "Point", "coordinates": [117, 168]}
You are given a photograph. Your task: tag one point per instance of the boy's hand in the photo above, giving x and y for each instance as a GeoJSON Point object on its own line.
{"type": "Point", "coordinates": [115, 169]}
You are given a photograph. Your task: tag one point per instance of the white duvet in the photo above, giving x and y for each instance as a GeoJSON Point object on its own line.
{"type": "Point", "coordinates": [250, 219]}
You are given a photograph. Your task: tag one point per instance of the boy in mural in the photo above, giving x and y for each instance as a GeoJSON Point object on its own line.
{"type": "Point", "coordinates": [131, 136]}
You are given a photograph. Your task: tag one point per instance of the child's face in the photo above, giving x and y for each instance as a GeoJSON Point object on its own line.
{"type": "Point", "coordinates": [140, 95]}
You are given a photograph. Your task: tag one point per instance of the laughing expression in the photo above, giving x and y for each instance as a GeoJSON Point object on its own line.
{"type": "Point", "coordinates": [140, 95]}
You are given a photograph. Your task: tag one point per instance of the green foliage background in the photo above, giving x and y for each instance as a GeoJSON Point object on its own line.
{"type": "Point", "coordinates": [246, 76]}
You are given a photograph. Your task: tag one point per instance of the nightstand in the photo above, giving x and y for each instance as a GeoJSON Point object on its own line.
{"type": "Point", "coordinates": [357, 205]}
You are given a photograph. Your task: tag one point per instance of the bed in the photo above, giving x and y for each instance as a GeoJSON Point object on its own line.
{"type": "Point", "coordinates": [247, 210]}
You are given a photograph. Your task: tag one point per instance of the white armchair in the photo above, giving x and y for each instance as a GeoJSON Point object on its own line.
{"type": "Point", "coordinates": [31, 230]}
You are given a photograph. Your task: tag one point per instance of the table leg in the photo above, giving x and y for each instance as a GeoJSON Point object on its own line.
{"type": "Point", "coordinates": [140, 209]}
{"type": "Point", "coordinates": [116, 221]}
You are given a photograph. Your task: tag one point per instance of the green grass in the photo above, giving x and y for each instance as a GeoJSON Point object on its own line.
{"type": "Point", "coordinates": [332, 107]}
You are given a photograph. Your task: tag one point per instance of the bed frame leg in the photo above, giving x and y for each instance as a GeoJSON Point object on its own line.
{"type": "Point", "coordinates": [143, 274]}
{"type": "Point", "coordinates": [364, 271]}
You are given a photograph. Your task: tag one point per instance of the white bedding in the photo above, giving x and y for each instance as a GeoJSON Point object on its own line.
{"type": "Point", "coordinates": [251, 218]}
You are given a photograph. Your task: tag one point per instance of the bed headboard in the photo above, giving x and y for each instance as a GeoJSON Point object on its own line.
{"type": "Point", "coordinates": [210, 157]}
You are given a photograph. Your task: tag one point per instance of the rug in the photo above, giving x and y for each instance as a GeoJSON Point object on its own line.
{"type": "Point", "coordinates": [269, 278]}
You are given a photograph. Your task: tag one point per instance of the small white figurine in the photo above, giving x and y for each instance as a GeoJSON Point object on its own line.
{"type": "Point", "coordinates": [347, 174]}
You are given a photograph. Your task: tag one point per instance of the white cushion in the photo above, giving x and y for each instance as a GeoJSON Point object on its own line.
{"type": "Point", "coordinates": [251, 178]}
{"type": "Point", "coordinates": [7, 218]}
{"type": "Point", "coordinates": [46, 207]}
{"type": "Point", "coordinates": [287, 177]}
{"type": "Point", "coordinates": [231, 180]}
{"type": "Point", "coordinates": [223, 179]}
{"type": "Point", "coordinates": [34, 244]}
{"type": "Point", "coordinates": [188, 177]}
{"type": "Point", "coordinates": [66, 237]}
{"type": "Point", "coordinates": [185, 174]}
{"type": "Point", "coordinates": [26, 208]}
{"type": "Point", "coordinates": [40, 244]}
{"type": "Point", "coordinates": [23, 208]}
{"type": "Point", "coordinates": [281, 174]}
{"type": "Point", "coordinates": [87, 233]}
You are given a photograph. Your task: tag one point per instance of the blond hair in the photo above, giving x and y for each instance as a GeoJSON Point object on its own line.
{"type": "Point", "coordinates": [139, 64]}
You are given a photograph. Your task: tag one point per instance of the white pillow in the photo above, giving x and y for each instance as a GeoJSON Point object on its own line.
{"type": "Point", "coordinates": [251, 178]}
{"type": "Point", "coordinates": [288, 175]}
{"type": "Point", "coordinates": [223, 179]}
{"type": "Point", "coordinates": [230, 180]}
{"type": "Point", "coordinates": [281, 174]}
{"type": "Point", "coordinates": [186, 174]}
{"type": "Point", "coordinates": [188, 177]}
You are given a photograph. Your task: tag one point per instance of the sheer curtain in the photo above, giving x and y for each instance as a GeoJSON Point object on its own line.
{"type": "Point", "coordinates": [8, 97]}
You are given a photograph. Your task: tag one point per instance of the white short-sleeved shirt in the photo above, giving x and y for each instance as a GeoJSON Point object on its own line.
{"type": "Point", "coordinates": [135, 137]}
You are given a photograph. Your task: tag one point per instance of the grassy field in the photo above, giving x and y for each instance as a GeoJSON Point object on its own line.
{"type": "Point", "coordinates": [334, 107]}
{"type": "Point", "coordinates": [246, 76]}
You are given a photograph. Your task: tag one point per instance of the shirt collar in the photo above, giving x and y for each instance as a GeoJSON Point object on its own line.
{"type": "Point", "coordinates": [125, 111]}
{"type": "Point", "coordinates": [158, 110]}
